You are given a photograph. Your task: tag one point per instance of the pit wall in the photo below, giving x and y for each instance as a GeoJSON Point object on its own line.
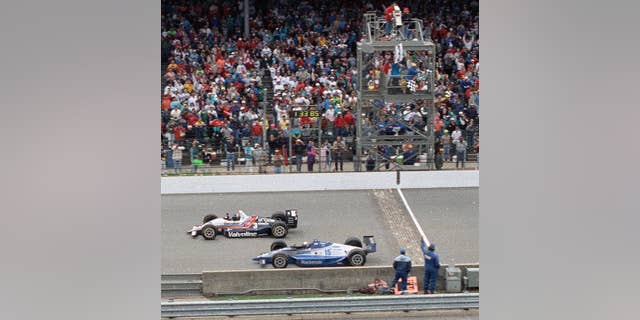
{"type": "Point", "coordinates": [301, 280]}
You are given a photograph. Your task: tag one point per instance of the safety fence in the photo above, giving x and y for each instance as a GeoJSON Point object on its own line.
{"type": "Point", "coordinates": [299, 306]}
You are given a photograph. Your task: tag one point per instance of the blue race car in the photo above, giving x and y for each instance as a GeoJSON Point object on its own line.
{"type": "Point", "coordinates": [319, 253]}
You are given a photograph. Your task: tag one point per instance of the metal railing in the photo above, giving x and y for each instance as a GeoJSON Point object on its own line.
{"type": "Point", "coordinates": [320, 305]}
{"type": "Point", "coordinates": [180, 285]}
{"type": "Point", "coordinates": [377, 30]}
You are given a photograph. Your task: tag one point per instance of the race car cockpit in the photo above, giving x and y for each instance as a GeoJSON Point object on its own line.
{"type": "Point", "coordinates": [240, 217]}
{"type": "Point", "coordinates": [303, 245]}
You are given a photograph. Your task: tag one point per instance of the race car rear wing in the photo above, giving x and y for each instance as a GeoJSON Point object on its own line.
{"type": "Point", "coordinates": [292, 218]}
{"type": "Point", "coordinates": [369, 244]}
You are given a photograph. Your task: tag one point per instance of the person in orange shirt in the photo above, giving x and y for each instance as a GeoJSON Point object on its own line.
{"type": "Point", "coordinates": [220, 64]}
{"type": "Point", "coordinates": [322, 41]}
{"type": "Point", "coordinates": [166, 102]}
{"type": "Point", "coordinates": [172, 66]}
{"type": "Point", "coordinates": [188, 86]}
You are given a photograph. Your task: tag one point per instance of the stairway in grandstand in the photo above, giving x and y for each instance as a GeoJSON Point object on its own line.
{"type": "Point", "coordinates": [267, 83]}
{"type": "Point", "coordinates": [163, 70]}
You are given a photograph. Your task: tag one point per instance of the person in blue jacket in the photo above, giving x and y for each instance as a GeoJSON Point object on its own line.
{"type": "Point", "coordinates": [431, 266]}
{"type": "Point", "coordinates": [402, 265]}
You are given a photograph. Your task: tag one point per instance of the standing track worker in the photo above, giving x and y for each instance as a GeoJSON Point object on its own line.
{"type": "Point", "coordinates": [431, 266]}
{"type": "Point", "coordinates": [402, 265]}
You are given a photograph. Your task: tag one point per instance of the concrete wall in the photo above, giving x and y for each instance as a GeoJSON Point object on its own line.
{"type": "Point", "coordinates": [318, 181]}
{"type": "Point", "coordinates": [283, 280]}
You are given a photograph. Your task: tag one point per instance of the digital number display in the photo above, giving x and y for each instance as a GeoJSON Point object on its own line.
{"type": "Point", "coordinates": [305, 113]}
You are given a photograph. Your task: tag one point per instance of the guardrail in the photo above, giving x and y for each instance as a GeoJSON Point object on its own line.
{"type": "Point", "coordinates": [320, 305]}
{"type": "Point", "coordinates": [180, 285]}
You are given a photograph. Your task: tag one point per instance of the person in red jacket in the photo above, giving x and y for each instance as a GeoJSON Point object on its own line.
{"type": "Point", "coordinates": [339, 125]}
{"type": "Point", "coordinates": [256, 132]}
{"type": "Point", "coordinates": [179, 132]}
{"type": "Point", "coordinates": [388, 16]}
{"type": "Point", "coordinates": [350, 121]}
{"type": "Point", "coordinates": [166, 102]}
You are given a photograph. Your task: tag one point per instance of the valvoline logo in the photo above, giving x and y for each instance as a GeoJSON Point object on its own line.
{"type": "Point", "coordinates": [233, 234]}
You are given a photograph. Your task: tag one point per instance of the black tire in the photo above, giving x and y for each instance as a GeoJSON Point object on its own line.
{"type": "Point", "coordinates": [280, 261]}
{"type": "Point", "coordinates": [208, 218]}
{"type": "Point", "coordinates": [357, 258]}
{"type": "Point", "coordinates": [279, 230]}
{"type": "Point", "coordinates": [279, 215]}
{"type": "Point", "coordinates": [276, 245]}
{"type": "Point", "coordinates": [353, 241]}
{"type": "Point", "coordinates": [209, 232]}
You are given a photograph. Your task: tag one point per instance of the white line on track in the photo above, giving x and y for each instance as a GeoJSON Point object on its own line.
{"type": "Point", "coordinates": [413, 217]}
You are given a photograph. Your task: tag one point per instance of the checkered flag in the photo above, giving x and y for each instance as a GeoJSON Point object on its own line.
{"type": "Point", "coordinates": [411, 84]}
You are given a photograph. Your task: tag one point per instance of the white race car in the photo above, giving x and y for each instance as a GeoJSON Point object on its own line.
{"type": "Point", "coordinates": [242, 225]}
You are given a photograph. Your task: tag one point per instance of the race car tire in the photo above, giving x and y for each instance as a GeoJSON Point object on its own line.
{"type": "Point", "coordinates": [209, 232]}
{"type": "Point", "coordinates": [279, 230]}
{"type": "Point", "coordinates": [279, 261]}
{"type": "Point", "coordinates": [357, 258]}
{"type": "Point", "coordinates": [277, 245]}
{"type": "Point", "coordinates": [279, 215]}
{"type": "Point", "coordinates": [353, 241]}
{"type": "Point", "coordinates": [208, 218]}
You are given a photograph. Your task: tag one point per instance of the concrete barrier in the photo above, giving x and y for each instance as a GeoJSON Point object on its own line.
{"type": "Point", "coordinates": [305, 280]}
{"type": "Point", "coordinates": [318, 181]}
{"type": "Point", "coordinates": [439, 179]}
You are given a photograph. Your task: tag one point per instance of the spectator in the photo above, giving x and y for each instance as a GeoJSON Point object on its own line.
{"type": "Point", "coordinates": [325, 155]}
{"type": "Point", "coordinates": [446, 145]}
{"type": "Point", "coordinates": [456, 134]}
{"type": "Point", "coordinates": [299, 150]}
{"type": "Point", "coordinates": [273, 144]}
{"type": "Point", "coordinates": [168, 158]}
{"type": "Point", "coordinates": [248, 157]}
{"type": "Point", "coordinates": [388, 17]}
{"type": "Point", "coordinates": [194, 152]}
{"type": "Point", "coordinates": [461, 151]}
{"type": "Point", "coordinates": [339, 148]}
{"type": "Point", "coordinates": [470, 132]}
{"type": "Point", "coordinates": [231, 149]}
{"type": "Point", "coordinates": [431, 266]}
{"type": "Point", "coordinates": [350, 123]}
{"type": "Point", "coordinates": [256, 132]}
{"type": "Point", "coordinates": [177, 156]}
{"type": "Point", "coordinates": [402, 266]}
{"type": "Point", "coordinates": [259, 157]}
{"type": "Point", "coordinates": [409, 157]}
{"type": "Point", "coordinates": [370, 162]}
{"type": "Point", "coordinates": [387, 153]}
{"type": "Point", "coordinates": [438, 160]}
{"type": "Point", "coordinates": [340, 126]}
{"type": "Point", "coordinates": [311, 155]}
{"type": "Point", "coordinates": [278, 161]}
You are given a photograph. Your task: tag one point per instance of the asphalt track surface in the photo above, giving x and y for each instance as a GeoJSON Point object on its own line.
{"type": "Point", "coordinates": [324, 215]}
{"type": "Point", "coordinates": [449, 219]}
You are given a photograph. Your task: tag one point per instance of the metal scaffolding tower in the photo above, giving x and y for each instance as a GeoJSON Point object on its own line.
{"type": "Point", "coordinates": [395, 110]}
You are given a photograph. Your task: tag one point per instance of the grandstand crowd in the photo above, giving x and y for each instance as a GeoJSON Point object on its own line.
{"type": "Point", "coordinates": [214, 78]}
